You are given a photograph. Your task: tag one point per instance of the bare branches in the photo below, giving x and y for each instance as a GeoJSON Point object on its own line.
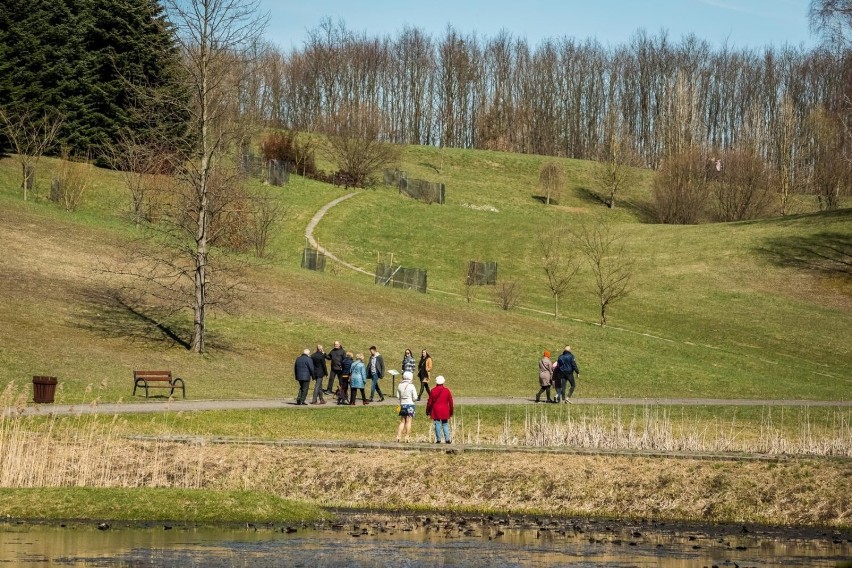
{"type": "Point", "coordinates": [558, 261]}
{"type": "Point", "coordinates": [832, 19]}
{"type": "Point", "coordinates": [31, 136]}
{"type": "Point", "coordinates": [612, 268]}
{"type": "Point", "coordinates": [355, 144]}
{"type": "Point", "coordinates": [551, 178]}
{"type": "Point", "coordinates": [507, 293]}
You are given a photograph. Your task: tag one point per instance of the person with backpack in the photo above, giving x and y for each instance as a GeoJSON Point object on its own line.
{"type": "Point", "coordinates": [568, 367]}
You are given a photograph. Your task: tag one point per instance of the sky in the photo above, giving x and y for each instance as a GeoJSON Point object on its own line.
{"type": "Point", "coordinates": [739, 23]}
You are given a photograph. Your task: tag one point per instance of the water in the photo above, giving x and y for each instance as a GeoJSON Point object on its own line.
{"type": "Point", "coordinates": [403, 543]}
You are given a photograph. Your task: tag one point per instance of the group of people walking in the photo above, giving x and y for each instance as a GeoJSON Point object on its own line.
{"type": "Point", "coordinates": [557, 374]}
{"type": "Point", "coordinates": [350, 371]}
{"type": "Point", "coordinates": [352, 374]}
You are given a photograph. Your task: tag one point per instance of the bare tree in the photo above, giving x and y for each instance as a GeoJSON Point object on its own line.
{"type": "Point", "coordinates": [559, 263]}
{"type": "Point", "coordinates": [31, 136]}
{"type": "Point", "coordinates": [742, 187]}
{"type": "Point", "coordinates": [73, 178]}
{"type": "Point", "coordinates": [551, 178]}
{"type": "Point", "coordinates": [681, 188]}
{"type": "Point", "coordinates": [144, 163]}
{"type": "Point", "coordinates": [507, 293]}
{"type": "Point", "coordinates": [210, 34]}
{"type": "Point", "coordinates": [355, 144]}
{"type": "Point", "coordinates": [612, 268]}
{"type": "Point", "coordinates": [265, 214]}
{"type": "Point", "coordinates": [829, 168]}
{"type": "Point", "coordinates": [615, 169]}
{"type": "Point", "coordinates": [832, 19]}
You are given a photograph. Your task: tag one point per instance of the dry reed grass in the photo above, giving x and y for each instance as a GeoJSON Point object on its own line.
{"type": "Point", "coordinates": [89, 451]}
{"type": "Point", "coordinates": [655, 429]}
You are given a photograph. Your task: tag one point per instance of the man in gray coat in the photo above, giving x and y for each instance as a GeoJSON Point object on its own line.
{"type": "Point", "coordinates": [304, 372]}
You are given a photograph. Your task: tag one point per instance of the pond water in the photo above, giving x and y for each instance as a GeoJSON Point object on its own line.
{"type": "Point", "coordinates": [408, 543]}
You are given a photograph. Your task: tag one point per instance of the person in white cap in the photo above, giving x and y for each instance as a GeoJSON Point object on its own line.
{"type": "Point", "coordinates": [440, 409]}
{"type": "Point", "coordinates": [407, 395]}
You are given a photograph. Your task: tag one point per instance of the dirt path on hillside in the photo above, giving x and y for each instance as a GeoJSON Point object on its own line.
{"type": "Point", "coordinates": [812, 369]}
{"type": "Point", "coordinates": [162, 404]}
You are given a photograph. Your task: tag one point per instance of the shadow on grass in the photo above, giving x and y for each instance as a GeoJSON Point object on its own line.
{"type": "Point", "coordinates": [642, 211]}
{"type": "Point", "coordinates": [112, 315]}
{"type": "Point", "coordinates": [827, 253]}
{"type": "Point", "coordinates": [543, 200]}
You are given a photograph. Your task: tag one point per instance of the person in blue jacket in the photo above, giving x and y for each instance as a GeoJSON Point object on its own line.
{"type": "Point", "coordinates": [567, 364]}
{"type": "Point", "coordinates": [358, 380]}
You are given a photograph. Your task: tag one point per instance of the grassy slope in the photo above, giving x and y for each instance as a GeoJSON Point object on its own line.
{"type": "Point", "coordinates": [720, 318]}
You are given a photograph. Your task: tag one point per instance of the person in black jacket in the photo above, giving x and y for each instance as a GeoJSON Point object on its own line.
{"type": "Point", "coordinates": [320, 372]}
{"type": "Point", "coordinates": [375, 371]}
{"type": "Point", "coordinates": [336, 357]}
{"type": "Point", "coordinates": [303, 369]}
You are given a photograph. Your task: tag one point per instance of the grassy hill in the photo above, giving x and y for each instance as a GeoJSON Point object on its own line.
{"type": "Point", "coordinates": [725, 310]}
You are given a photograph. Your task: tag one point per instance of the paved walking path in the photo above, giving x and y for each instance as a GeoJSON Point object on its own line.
{"type": "Point", "coordinates": [179, 405]}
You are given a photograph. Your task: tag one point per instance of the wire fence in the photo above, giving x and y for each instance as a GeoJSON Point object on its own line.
{"type": "Point", "coordinates": [273, 172]}
{"type": "Point", "coordinates": [313, 259]}
{"type": "Point", "coordinates": [420, 189]}
{"type": "Point", "coordinates": [482, 273]}
{"type": "Point", "coordinates": [399, 277]}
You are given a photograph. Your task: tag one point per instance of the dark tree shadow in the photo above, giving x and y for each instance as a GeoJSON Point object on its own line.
{"type": "Point", "coordinates": [642, 211]}
{"type": "Point", "coordinates": [112, 315]}
{"type": "Point", "coordinates": [543, 200]}
{"type": "Point", "coordinates": [828, 253]}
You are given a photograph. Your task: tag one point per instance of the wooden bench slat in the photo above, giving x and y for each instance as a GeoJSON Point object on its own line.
{"type": "Point", "coordinates": [143, 378]}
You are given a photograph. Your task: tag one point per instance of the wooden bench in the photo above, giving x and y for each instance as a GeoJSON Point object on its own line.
{"type": "Point", "coordinates": [157, 380]}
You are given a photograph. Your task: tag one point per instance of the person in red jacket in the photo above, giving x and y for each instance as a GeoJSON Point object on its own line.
{"type": "Point", "coordinates": [440, 409]}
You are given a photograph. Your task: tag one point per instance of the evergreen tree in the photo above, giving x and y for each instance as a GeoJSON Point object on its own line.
{"type": "Point", "coordinates": [89, 60]}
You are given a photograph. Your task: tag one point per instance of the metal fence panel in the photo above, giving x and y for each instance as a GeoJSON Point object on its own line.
{"type": "Point", "coordinates": [400, 277]}
{"type": "Point", "coordinates": [482, 273]}
{"type": "Point", "coordinates": [313, 259]}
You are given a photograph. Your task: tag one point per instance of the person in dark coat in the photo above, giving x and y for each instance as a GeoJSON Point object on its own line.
{"type": "Point", "coordinates": [375, 371]}
{"type": "Point", "coordinates": [424, 372]}
{"type": "Point", "coordinates": [567, 364]}
{"type": "Point", "coordinates": [439, 407]}
{"type": "Point", "coordinates": [320, 371]}
{"type": "Point", "coordinates": [304, 372]}
{"type": "Point", "coordinates": [336, 356]}
{"type": "Point", "coordinates": [345, 374]}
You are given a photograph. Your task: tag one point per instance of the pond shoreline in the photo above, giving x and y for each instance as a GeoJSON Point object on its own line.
{"type": "Point", "coordinates": [474, 524]}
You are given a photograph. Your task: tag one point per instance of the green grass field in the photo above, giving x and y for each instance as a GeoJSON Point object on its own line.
{"type": "Point", "coordinates": [740, 310]}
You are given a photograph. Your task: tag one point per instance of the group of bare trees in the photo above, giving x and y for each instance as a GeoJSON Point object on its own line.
{"type": "Point", "coordinates": [564, 97]}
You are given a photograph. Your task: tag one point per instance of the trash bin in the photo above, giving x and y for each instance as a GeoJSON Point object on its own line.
{"type": "Point", "coordinates": [44, 388]}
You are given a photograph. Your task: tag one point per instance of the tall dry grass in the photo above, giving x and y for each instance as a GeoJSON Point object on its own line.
{"type": "Point", "coordinates": [655, 429]}
{"type": "Point", "coordinates": [90, 450]}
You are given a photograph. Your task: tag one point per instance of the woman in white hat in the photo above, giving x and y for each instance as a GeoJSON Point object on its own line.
{"type": "Point", "coordinates": [440, 409]}
{"type": "Point", "coordinates": [407, 395]}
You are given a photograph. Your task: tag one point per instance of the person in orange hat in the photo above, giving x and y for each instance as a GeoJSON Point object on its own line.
{"type": "Point", "coordinates": [545, 376]}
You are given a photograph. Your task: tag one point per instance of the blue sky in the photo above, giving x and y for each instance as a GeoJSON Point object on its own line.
{"type": "Point", "coordinates": [742, 23]}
